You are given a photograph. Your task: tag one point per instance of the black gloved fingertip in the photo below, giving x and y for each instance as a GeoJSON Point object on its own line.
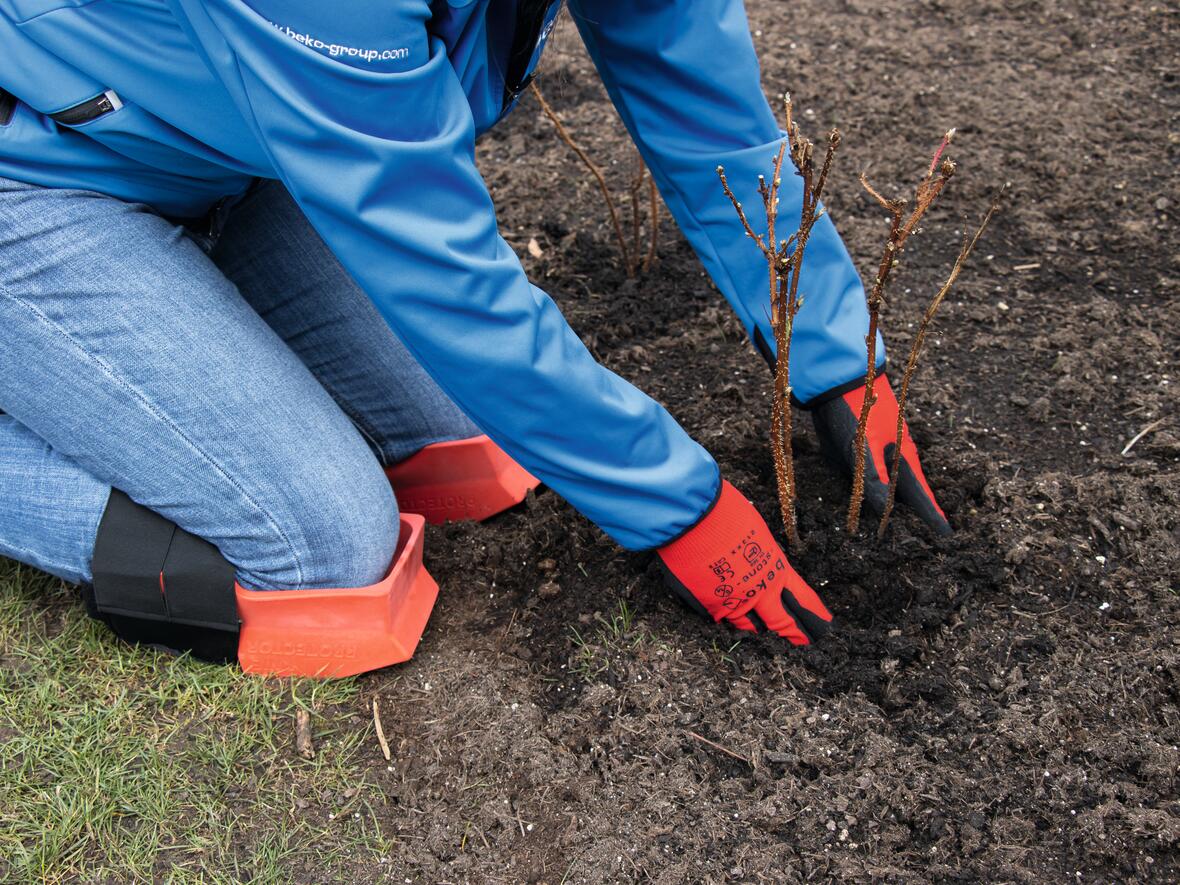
{"type": "Point", "coordinates": [682, 593]}
{"type": "Point", "coordinates": [756, 620]}
{"type": "Point", "coordinates": [808, 621]}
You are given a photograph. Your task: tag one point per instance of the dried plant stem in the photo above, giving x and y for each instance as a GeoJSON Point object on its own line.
{"type": "Point", "coordinates": [916, 351]}
{"type": "Point", "coordinates": [900, 228]}
{"type": "Point", "coordinates": [381, 741]}
{"type": "Point", "coordinates": [563, 133]}
{"type": "Point", "coordinates": [630, 252]}
{"type": "Point", "coordinates": [303, 741]}
{"type": "Point", "coordinates": [716, 746]}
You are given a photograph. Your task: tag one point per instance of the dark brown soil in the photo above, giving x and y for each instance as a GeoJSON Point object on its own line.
{"type": "Point", "coordinates": [999, 706]}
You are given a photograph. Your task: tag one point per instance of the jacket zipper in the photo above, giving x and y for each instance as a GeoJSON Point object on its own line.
{"type": "Point", "coordinates": [99, 106]}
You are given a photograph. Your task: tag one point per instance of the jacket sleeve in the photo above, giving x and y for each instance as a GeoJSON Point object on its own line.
{"type": "Point", "coordinates": [684, 78]}
{"type": "Point", "coordinates": [364, 120]}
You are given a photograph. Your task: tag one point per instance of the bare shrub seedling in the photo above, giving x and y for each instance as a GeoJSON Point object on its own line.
{"type": "Point", "coordinates": [901, 226]}
{"type": "Point", "coordinates": [916, 350]}
{"type": "Point", "coordinates": [784, 260]}
{"type": "Point", "coordinates": [633, 261]}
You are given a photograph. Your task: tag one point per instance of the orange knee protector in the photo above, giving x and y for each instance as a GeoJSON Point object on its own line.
{"type": "Point", "coordinates": [465, 479]}
{"type": "Point", "coordinates": [333, 633]}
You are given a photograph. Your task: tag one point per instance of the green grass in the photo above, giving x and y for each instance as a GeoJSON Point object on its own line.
{"type": "Point", "coordinates": [613, 637]}
{"type": "Point", "coordinates": [120, 764]}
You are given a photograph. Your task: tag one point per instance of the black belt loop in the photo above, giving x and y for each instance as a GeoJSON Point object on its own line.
{"type": "Point", "coordinates": [89, 110]}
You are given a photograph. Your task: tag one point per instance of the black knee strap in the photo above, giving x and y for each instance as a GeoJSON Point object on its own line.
{"type": "Point", "coordinates": [156, 584]}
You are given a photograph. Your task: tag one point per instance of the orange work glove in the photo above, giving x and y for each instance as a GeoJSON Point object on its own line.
{"type": "Point", "coordinates": [729, 566]}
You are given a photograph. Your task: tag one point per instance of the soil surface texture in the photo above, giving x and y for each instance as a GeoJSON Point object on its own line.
{"type": "Point", "coordinates": [1001, 705]}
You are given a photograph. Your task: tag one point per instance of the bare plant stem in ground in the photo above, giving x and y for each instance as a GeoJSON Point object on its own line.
{"type": "Point", "coordinates": [784, 260]}
{"type": "Point", "coordinates": [653, 239]}
{"type": "Point", "coordinates": [636, 188]}
{"type": "Point", "coordinates": [916, 351]}
{"type": "Point", "coordinates": [900, 228]}
{"type": "Point", "coordinates": [636, 214]}
{"type": "Point", "coordinates": [784, 311]}
{"type": "Point", "coordinates": [629, 254]}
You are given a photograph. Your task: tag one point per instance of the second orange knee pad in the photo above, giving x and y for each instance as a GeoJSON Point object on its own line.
{"type": "Point", "coordinates": [465, 479]}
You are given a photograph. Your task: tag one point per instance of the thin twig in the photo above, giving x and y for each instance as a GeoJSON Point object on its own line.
{"type": "Point", "coordinates": [725, 750]}
{"type": "Point", "coordinates": [757, 238]}
{"type": "Point", "coordinates": [1142, 433]}
{"type": "Point", "coordinates": [916, 351]}
{"type": "Point", "coordinates": [380, 732]}
{"type": "Point", "coordinates": [565, 136]}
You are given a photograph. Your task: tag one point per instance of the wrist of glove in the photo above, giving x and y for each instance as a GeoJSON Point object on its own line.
{"type": "Point", "coordinates": [835, 424]}
{"type": "Point", "coordinates": [729, 567]}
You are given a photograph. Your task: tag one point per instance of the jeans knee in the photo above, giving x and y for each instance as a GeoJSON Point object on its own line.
{"type": "Point", "coordinates": [341, 530]}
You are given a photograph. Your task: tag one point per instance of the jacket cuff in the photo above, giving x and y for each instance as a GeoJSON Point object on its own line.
{"type": "Point", "coordinates": [836, 392]}
{"type": "Point", "coordinates": [684, 531]}
{"type": "Point", "coordinates": [761, 345]}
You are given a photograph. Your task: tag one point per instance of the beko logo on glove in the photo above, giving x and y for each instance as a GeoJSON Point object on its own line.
{"type": "Point", "coordinates": [337, 50]}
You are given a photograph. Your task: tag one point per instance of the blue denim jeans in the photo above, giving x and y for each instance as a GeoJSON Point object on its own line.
{"type": "Point", "coordinates": [239, 384]}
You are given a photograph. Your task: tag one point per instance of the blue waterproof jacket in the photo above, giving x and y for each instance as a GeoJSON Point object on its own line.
{"type": "Point", "coordinates": [368, 111]}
